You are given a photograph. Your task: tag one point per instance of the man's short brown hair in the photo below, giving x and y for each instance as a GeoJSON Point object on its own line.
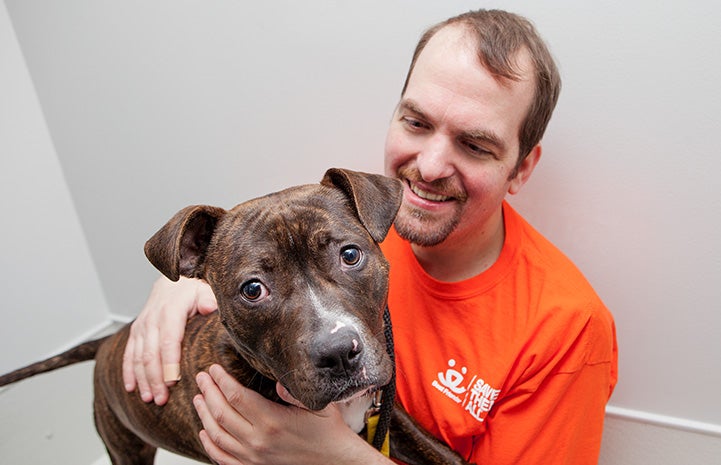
{"type": "Point", "coordinates": [500, 36]}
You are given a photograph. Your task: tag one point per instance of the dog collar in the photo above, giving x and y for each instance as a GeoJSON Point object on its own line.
{"type": "Point", "coordinates": [375, 407]}
{"type": "Point", "coordinates": [371, 428]}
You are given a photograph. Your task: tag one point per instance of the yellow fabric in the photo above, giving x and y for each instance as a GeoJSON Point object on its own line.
{"type": "Point", "coordinates": [371, 431]}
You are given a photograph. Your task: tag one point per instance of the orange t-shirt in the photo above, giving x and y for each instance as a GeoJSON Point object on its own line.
{"type": "Point", "coordinates": [513, 366]}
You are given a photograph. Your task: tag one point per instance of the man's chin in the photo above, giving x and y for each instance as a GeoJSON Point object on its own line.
{"type": "Point", "coordinates": [422, 232]}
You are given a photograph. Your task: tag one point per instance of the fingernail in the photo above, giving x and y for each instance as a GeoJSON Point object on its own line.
{"type": "Point", "coordinates": [200, 378]}
{"type": "Point", "coordinates": [215, 370]}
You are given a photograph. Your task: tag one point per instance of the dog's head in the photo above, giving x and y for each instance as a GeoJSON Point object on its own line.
{"type": "Point", "coordinates": [300, 280]}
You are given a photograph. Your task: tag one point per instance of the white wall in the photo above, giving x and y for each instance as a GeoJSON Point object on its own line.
{"type": "Point", "coordinates": [155, 105]}
{"type": "Point", "coordinates": [629, 190]}
{"type": "Point", "coordinates": [51, 295]}
{"type": "Point", "coordinates": [49, 286]}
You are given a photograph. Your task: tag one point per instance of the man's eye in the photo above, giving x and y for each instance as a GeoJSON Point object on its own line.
{"type": "Point", "coordinates": [476, 149]}
{"type": "Point", "coordinates": [253, 290]}
{"type": "Point", "coordinates": [413, 123]}
{"type": "Point", "coordinates": [351, 256]}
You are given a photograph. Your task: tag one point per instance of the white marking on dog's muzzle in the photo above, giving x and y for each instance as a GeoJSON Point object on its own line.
{"type": "Point", "coordinates": [338, 325]}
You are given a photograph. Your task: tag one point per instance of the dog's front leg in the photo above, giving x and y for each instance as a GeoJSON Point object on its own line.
{"type": "Point", "coordinates": [413, 445]}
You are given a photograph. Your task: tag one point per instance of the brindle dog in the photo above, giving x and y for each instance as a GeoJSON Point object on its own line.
{"type": "Point", "coordinates": [301, 286]}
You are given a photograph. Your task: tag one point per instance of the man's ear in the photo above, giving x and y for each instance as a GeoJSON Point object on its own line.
{"type": "Point", "coordinates": [179, 248]}
{"type": "Point", "coordinates": [525, 169]}
{"type": "Point", "coordinates": [376, 198]}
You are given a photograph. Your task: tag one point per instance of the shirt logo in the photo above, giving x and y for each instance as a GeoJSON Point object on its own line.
{"type": "Point", "coordinates": [476, 396]}
{"type": "Point", "coordinates": [453, 379]}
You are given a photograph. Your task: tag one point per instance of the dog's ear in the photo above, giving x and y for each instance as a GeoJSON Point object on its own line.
{"type": "Point", "coordinates": [178, 248]}
{"type": "Point", "coordinates": [376, 198]}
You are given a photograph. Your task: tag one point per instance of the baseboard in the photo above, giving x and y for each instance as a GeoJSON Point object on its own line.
{"type": "Point", "coordinates": [96, 331]}
{"type": "Point", "coordinates": [665, 421]}
{"type": "Point", "coordinates": [120, 319]}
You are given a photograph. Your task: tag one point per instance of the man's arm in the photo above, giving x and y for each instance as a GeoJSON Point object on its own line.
{"type": "Point", "coordinates": [557, 417]}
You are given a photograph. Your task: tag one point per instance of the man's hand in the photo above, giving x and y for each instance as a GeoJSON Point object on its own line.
{"type": "Point", "coordinates": [151, 361]}
{"type": "Point", "coordinates": [242, 427]}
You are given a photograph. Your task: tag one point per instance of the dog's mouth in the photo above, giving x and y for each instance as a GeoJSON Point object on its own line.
{"type": "Point", "coordinates": [355, 393]}
{"type": "Point", "coordinates": [348, 390]}
{"type": "Point", "coordinates": [320, 398]}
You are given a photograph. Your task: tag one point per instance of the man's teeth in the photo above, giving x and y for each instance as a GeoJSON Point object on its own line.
{"type": "Point", "coordinates": [427, 195]}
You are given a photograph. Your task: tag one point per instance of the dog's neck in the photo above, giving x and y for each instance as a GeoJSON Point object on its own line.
{"type": "Point", "coordinates": [235, 360]}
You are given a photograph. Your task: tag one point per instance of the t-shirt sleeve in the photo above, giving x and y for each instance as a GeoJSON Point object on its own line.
{"type": "Point", "coordinates": [555, 412]}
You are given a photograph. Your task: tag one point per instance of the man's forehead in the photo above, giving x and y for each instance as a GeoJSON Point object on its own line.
{"type": "Point", "coordinates": [461, 42]}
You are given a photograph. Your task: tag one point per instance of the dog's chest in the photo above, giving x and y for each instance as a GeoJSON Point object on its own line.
{"type": "Point", "coordinates": [354, 411]}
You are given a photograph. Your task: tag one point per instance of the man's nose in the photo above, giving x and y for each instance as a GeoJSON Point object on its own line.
{"type": "Point", "coordinates": [435, 159]}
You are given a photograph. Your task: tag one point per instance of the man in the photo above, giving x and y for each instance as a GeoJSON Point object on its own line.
{"type": "Point", "coordinates": [503, 349]}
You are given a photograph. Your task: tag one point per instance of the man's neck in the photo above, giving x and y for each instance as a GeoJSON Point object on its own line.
{"type": "Point", "coordinates": [461, 256]}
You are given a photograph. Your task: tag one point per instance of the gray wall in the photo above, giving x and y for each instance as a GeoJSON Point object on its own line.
{"type": "Point", "coordinates": [51, 294]}
{"type": "Point", "coordinates": [151, 106]}
{"type": "Point", "coordinates": [48, 282]}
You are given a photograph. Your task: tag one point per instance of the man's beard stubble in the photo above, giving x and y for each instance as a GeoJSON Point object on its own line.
{"type": "Point", "coordinates": [420, 227]}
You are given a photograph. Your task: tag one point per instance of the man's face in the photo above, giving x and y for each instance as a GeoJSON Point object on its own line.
{"type": "Point", "coordinates": [454, 142]}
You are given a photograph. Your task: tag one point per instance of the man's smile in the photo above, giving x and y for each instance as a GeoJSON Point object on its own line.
{"type": "Point", "coordinates": [425, 195]}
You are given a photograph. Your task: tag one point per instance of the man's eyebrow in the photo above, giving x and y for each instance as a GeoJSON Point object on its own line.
{"type": "Point", "coordinates": [487, 137]}
{"type": "Point", "coordinates": [410, 105]}
{"type": "Point", "coordinates": [479, 135]}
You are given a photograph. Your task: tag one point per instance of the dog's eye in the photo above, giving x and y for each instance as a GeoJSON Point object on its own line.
{"type": "Point", "coordinates": [351, 255]}
{"type": "Point", "coordinates": [253, 290]}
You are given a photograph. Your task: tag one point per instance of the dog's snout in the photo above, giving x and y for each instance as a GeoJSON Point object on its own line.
{"type": "Point", "coordinates": [339, 352]}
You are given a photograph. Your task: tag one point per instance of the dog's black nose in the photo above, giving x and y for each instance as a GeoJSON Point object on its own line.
{"type": "Point", "coordinates": [338, 352]}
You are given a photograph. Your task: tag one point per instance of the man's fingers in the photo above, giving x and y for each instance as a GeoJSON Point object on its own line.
{"type": "Point", "coordinates": [243, 400]}
{"type": "Point", "coordinates": [206, 302]}
{"type": "Point", "coordinates": [139, 370]}
{"type": "Point", "coordinates": [152, 366]}
{"type": "Point", "coordinates": [151, 361]}
{"type": "Point", "coordinates": [215, 452]}
{"type": "Point", "coordinates": [171, 337]}
{"type": "Point", "coordinates": [218, 443]}
{"type": "Point", "coordinates": [128, 374]}
{"type": "Point", "coordinates": [226, 427]}
{"type": "Point", "coordinates": [287, 396]}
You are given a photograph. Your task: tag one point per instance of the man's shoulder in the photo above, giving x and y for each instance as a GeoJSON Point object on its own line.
{"type": "Point", "coordinates": [557, 285]}
{"type": "Point", "coordinates": [537, 252]}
